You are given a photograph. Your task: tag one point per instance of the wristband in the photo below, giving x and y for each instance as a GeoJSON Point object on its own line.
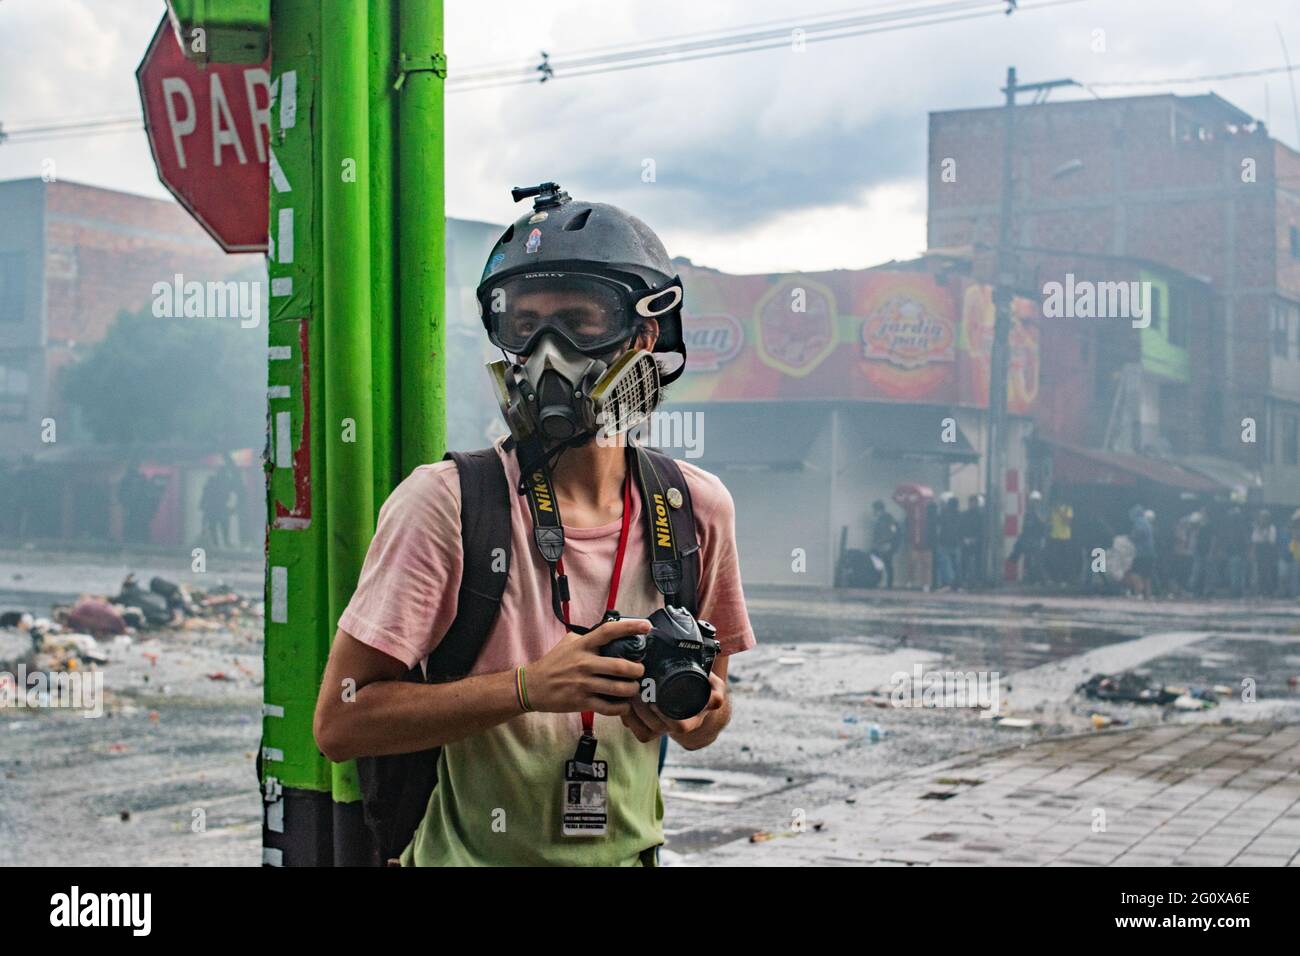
{"type": "Point", "coordinates": [521, 690]}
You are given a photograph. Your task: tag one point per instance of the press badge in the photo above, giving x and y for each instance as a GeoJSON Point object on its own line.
{"type": "Point", "coordinates": [586, 795]}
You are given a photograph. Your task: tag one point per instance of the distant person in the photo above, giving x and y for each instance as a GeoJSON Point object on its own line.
{"type": "Point", "coordinates": [1263, 555]}
{"type": "Point", "coordinates": [1236, 547]}
{"type": "Point", "coordinates": [1062, 567]}
{"type": "Point", "coordinates": [1181, 552]}
{"type": "Point", "coordinates": [1202, 531]}
{"type": "Point", "coordinates": [1144, 558]}
{"type": "Point", "coordinates": [1161, 547]}
{"type": "Point", "coordinates": [884, 538]}
{"type": "Point", "coordinates": [1293, 549]}
{"type": "Point", "coordinates": [234, 487]}
{"type": "Point", "coordinates": [930, 544]}
{"type": "Point", "coordinates": [972, 543]}
{"type": "Point", "coordinates": [213, 504]}
{"type": "Point", "coordinates": [948, 543]}
{"type": "Point", "coordinates": [1032, 540]}
{"type": "Point", "coordinates": [1285, 559]}
{"type": "Point", "coordinates": [139, 496]}
{"type": "Point", "coordinates": [919, 557]}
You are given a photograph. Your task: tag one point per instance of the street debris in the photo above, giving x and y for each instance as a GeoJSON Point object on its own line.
{"type": "Point", "coordinates": [1135, 689]}
{"type": "Point", "coordinates": [1014, 723]}
{"type": "Point", "coordinates": [1127, 687]}
{"type": "Point", "coordinates": [1102, 721]}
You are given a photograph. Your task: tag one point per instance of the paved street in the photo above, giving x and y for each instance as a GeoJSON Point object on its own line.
{"type": "Point", "coordinates": [813, 728]}
{"type": "Point", "coordinates": [1189, 795]}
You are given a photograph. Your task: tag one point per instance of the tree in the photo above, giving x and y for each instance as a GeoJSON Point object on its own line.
{"type": "Point", "coordinates": [189, 381]}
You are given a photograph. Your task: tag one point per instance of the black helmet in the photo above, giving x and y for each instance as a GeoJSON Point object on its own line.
{"type": "Point", "coordinates": [566, 236]}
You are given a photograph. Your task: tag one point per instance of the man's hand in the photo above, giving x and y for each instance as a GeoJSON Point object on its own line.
{"type": "Point", "coordinates": [647, 722]}
{"type": "Point", "coordinates": [572, 675]}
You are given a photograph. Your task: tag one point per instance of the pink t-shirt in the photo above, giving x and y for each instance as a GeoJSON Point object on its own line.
{"type": "Point", "coordinates": [405, 601]}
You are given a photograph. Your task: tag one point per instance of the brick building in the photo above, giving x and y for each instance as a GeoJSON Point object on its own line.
{"type": "Point", "coordinates": [1191, 191]}
{"type": "Point", "coordinates": [71, 258]}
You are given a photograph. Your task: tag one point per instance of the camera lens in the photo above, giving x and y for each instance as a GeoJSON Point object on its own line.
{"type": "Point", "coordinates": [682, 691]}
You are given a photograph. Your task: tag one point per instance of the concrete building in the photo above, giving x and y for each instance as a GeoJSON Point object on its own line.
{"type": "Point", "coordinates": [1189, 189]}
{"type": "Point", "coordinates": [71, 258]}
{"type": "Point", "coordinates": [814, 394]}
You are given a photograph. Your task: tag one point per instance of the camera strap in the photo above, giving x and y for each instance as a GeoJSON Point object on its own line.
{"type": "Point", "coordinates": [665, 550]}
{"type": "Point", "coordinates": [548, 533]}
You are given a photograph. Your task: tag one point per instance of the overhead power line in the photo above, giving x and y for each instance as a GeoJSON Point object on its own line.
{"type": "Point", "coordinates": [764, 35]}
{"type": "Point", "coordinates": [692, 43]}
{"type": "Point", "coordinates": [1203, 78]}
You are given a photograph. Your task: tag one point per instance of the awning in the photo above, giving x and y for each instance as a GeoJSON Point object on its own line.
{"type": "Point", "coordinates": [907, 431]}
{"type": "Point", "coordinates": [1092, 466]}
{"type": "Point", "coordinates": [1231, 474]}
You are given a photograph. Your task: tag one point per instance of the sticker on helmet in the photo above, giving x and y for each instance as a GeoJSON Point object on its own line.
{"type": "Point", "coordinates": [492, 264]}
{"type": "Point", "coordinates": [534, 242]}
{"type": "Point", "coordinates": [538, 216]}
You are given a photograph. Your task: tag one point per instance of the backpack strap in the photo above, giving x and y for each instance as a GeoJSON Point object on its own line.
{"type": "Point", "coordinates": [395, 788]}
{"type": "Point", "coordinates": [485, 545]}
{"type": "Point", "coordinates": [670, 527]}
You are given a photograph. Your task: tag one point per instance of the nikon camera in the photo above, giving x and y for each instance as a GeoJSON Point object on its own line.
{"type": "Point", "coordinates": [678, 655]}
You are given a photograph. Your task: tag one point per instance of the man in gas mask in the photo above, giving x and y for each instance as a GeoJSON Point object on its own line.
{"type": "Point", "coordinates": [487, 643]}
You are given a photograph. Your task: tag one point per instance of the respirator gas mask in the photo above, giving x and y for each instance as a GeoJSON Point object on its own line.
{"type": "Point", "coordinates": [575, 376]}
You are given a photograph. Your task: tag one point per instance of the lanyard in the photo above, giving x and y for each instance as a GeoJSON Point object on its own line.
{"type": "Point", "coordinates": [589, 717]}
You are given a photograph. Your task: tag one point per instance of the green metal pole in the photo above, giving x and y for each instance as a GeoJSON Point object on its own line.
{"type": "Point", "coordinates": [349, 412]}
{"type": "Point", "coordinates": [421, 232]}
{"type": "Point", "coordinates": [383, 298]}
{"type": "Point", "coordinates": [357, 368]}
{"type": "Point", "coordinates": [296, 778]}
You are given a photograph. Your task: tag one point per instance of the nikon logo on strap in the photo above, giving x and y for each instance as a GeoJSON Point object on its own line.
{"type": "Point", "coordinates": [542, 492]}
{"type": "Point", "coordinates": [663, 530]}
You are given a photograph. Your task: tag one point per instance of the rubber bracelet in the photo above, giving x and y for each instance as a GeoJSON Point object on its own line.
{"type": "Point", "coordinates": [521, 690]}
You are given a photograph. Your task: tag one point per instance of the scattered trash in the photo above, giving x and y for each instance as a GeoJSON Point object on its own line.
{"type": "Point", "coordinates": [220, 675]}
{"type": "Point", "coordinates": [874, 733]}
{"type": "Point", "coordinates": [1190, 702]}
{"type": "Point", "coordinates": [1014, 723]}
{"type": "Point", "coordinates": [1127, 687]}
{"type": "Point", "coordinates": [96, 616]}
{"type": "Point", "coordinates": [790, 660]}
{"type": "Point", "coordinates": [1101, 720]}
{"type": "Point", "coordinates": [762, 836]}
{"type": "Point", "coordinates": [153, 606]}
{"type": "Point", "coordinates": [125, 816]}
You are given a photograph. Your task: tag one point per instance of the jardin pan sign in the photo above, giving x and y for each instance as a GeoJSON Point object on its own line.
{"type": "Point", "coordinates": [869, 335]}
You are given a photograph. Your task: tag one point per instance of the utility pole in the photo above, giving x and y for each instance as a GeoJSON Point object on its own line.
{"type": "Point", "coordinates": [356, 331]}
{"type": "Point", "coordinates": [1004, 283]}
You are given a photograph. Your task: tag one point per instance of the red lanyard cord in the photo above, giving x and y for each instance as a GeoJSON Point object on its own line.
{"type": "Point", "coordinates": [589, 717]}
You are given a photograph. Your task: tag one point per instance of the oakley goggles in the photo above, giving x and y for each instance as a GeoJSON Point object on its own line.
{"type": "Point", "coordinates": [593, 313]}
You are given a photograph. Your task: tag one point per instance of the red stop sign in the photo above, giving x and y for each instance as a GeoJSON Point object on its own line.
{"type": "Point", "coordinates": [210, 132]}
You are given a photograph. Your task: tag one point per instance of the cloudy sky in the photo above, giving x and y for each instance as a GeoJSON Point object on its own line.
{"type": "Point", "coordinates": [767, 161]}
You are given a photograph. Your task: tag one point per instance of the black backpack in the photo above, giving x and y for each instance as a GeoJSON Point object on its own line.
{"type": "Point", "coordinates": [395, 788]}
